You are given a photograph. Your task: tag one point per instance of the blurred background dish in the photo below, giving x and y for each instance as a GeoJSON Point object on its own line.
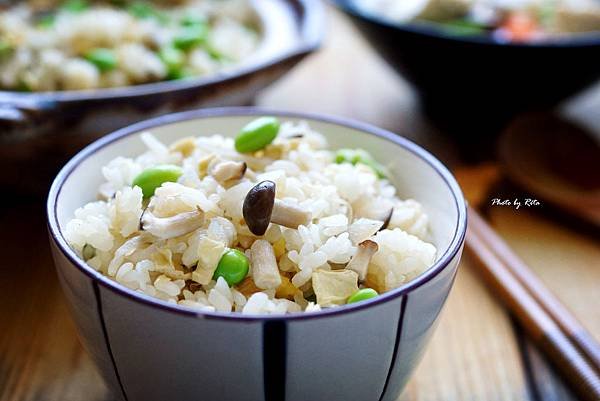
{"type": "Point", "coordinates": [51, 126]}
{"type": "Point", "coordinates": [471, 85]}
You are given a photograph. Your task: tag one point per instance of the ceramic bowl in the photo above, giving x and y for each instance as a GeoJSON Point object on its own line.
{"type": "Point", "coordinates": [472, 85]}
{"type": "Point", "coordinates": [50, 127]}
{"type": "Point", "coordinates": [147, 349]}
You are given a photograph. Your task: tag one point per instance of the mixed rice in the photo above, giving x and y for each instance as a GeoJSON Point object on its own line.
{"type": "Point", "coordinates": [302, 227]}
{"type": "Point", "coordinates": [79, 44]}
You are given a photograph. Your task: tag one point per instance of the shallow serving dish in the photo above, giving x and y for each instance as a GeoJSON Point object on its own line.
{"type": "Point", "coordinates": [474, 84]}
{"type": "Point", "coordinates": [147, 349]}
{"type": "Point", "coordinates": [51, 126]}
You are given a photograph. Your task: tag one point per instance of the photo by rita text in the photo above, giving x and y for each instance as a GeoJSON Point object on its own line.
{"type": "Point", "coordinates": [516, 203]}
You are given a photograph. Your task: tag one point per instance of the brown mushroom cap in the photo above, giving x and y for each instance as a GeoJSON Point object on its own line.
{"type": "Point", "coordinates": [258, 207]}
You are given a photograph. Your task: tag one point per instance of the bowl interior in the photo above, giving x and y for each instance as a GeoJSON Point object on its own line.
{"type": "Point", "coordinates": [415, 173]}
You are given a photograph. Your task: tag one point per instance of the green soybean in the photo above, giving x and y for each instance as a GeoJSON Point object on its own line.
{"type": "Point", "coordinates": [233, 267]}
{"type": "Point", "coordinates": [153, 177]}
{"type": "Point", "coordinates": [75, 6]}
{"type": "Point", "coordinates": [104, 59]}
{"type": "Point", "coordinates": [143, 10]}
{"type": "Point", "coordinates": [362, 295]}
{"type": "Point", "coordinates": [193, 20]}
{"type": "Point", "coordinates": [5, 48]}
{"type": "Point", "coordinates": [46, 21]}
{"type": "Point", "coordinates": [88, 252]}
{"type": "Point", "coordinates": [354, 156]}
{"type": "Point", "coordinates": [191, 36]}
{"type": "Point", "coordinates": [257, 134]}
{"type": "Point", "coordinates": [174, 60]}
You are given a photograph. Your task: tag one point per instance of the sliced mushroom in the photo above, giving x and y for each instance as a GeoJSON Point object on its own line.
{"type": "Point", "coordinates": [361, 259]}
{"type": "Point", "coordinates": [170, 227]}
{"type": "Point", "coordinates": [261, 208]}
{"type": "Point", "coordinates": [288, 215]}
{"type": "Point", "coordinates": [265, 272]}
{"type": "Point", "coordinates": [228, 170]}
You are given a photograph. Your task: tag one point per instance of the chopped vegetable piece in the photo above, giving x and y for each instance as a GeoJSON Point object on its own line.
{"type": "Point", "coordinates": [334, 287]}
{"type": "Point", "coordinates": [257, 134]}
{"type": "Point", "coordinates": [191, 36]}
{"type": "Point", "coordinates": [75, 6]}
{"type": "Point", "coordinates": [362, 295]}
{"type": "Point", "coordinates": [518, 27]}
{"type": "Point", "coordinates": [153, 177]}
{"type": "Point", "coordinates": [104, 59]}
{"type": "Point", "coordinates": [233, 267]}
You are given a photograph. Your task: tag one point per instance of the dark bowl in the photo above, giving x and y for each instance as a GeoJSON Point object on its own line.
{"type": "Point", "coordinates": [40, 131]}
{"type": "Point", "coordinates": [475, 84]}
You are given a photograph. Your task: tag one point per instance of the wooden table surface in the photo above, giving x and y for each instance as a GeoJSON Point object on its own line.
{"type": "Point", "coordinates": [477, 353]}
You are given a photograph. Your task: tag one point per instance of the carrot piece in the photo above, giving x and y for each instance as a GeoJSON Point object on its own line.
{"type": "Point", "coordinates": [519, 27]}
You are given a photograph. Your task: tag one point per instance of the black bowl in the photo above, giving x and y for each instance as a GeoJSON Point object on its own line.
{"type": "Point", "coordinates": [475, 84]}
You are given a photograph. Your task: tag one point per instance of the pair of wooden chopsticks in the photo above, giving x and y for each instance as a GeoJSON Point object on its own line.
{"type": "Point", "coordinates": [548, 323]}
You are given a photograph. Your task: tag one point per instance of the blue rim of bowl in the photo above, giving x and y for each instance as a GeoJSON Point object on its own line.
{"type": "Point", "coordinates": [310, 35]}
{"type": "Point", "coordinates": [569, 41]}
{"type": "Point", "coordinates": [440, 264]}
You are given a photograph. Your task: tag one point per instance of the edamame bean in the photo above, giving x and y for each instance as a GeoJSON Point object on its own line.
{"type": "Point", "coordinates": [257, 134]}
{"type": "Point", "coordinates": [104, 59]}
{"type": "Point", "coordinates": [362, 295]}
{"type": "Point", "coordinates": [233, 267]}
{"type": "Point", "coordinates": [153, 177]}
{"type": "Point", "coordinates": [192, 20]}
{"type": "Point", "coordinates": [5, 48]}
{"type": "Point", "coordinates": [191, 36]}
{"type": "Point", "coordinates": [143, 10]}
{"type": "Point", "coordinates": [174, 60]}
{"type": "Point", "coordinates": [75, 6]}
{"type": "Point", "coordinates": [354, 156]}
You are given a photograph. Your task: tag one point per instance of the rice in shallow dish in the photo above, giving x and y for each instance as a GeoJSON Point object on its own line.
{"type": "Point", "coordinates": [78, 44]}
{"type": "Point", "coordinates": [270, 222]}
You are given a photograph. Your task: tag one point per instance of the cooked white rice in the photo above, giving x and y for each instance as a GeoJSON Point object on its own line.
{"type": "Point", "coordinates": [46, 47]}
{"type": "Point", "coordinates": [315, 262]}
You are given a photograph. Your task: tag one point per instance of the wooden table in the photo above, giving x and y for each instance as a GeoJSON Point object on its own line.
{"type": "Point", "coordinates": [477, 352]}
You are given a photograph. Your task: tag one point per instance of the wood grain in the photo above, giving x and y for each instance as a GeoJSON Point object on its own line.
{"type": "Point", "coordinates": [474, 353]}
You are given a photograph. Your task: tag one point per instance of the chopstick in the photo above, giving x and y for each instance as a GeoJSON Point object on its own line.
{"type": "Point", "coordinates": [536, 321]}
{"type": "Point", "coordinates": [577, 334]}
